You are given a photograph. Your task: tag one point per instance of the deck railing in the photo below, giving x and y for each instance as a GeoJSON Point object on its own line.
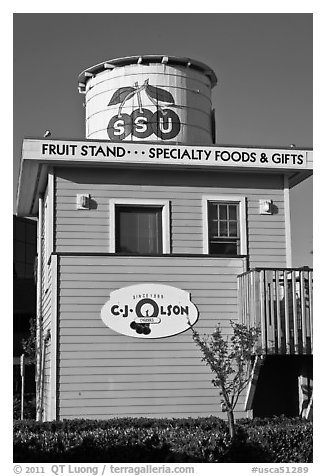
{"type": "Point", "coordinates": [279, 301]}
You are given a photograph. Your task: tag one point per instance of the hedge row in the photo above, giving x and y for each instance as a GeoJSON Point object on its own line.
{"type": "Point", "coordinates": [146, 440]}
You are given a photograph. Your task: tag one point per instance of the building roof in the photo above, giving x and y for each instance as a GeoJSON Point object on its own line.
{"type": "Point", "coordinates": [40, 154]}
{"type": "Point", "coordinates": [145, 59]}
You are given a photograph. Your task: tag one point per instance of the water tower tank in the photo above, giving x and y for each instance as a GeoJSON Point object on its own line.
{"type": "Point", "coordinates": [149, 98]}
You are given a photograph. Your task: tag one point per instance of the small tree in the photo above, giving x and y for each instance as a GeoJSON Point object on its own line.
{"type": "Point", "coordinates": [29, 344]}
{"type": "Point", "coordinates": [229, 359]}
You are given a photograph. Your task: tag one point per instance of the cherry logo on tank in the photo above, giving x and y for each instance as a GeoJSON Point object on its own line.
{"type": "Point", "coordinates": [142, 123]}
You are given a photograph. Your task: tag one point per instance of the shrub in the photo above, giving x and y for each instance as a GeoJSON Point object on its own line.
{"type": "Point", "coordinates": [162, 440]}
{"type": "Point", "coordinates": [289, 441]}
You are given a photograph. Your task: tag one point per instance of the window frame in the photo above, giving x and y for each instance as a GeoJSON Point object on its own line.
{"type": "Point", "coordinates": [165, 204]}
{"type": "Point", "coordinates": [241, 201]}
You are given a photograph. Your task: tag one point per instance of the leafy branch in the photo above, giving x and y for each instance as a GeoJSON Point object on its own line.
{"type": "Point", "coordinates": [155, 94]}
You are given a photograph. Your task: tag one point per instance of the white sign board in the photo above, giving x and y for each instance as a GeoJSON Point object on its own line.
{"type": "Point", "coordinates": [166, 154]}
{"type": "Point", "coordinates": [149, 311]}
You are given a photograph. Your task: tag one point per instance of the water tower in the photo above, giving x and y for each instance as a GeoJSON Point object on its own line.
{"type": "Point", "coordinates": [149, 98]}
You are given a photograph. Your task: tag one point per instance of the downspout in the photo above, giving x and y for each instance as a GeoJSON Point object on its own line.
{"type": "Point", "coordinates": [287, 218]}
{"type": "Point", "coordinates": [38, 349]}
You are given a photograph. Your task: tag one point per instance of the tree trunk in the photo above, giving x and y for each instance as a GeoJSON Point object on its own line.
{"type": "Point", "coordinates": [231, 422]}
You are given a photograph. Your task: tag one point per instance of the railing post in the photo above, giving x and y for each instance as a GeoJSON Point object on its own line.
{"type": "Point", "coordinates": [310, 308]}
{"type": "Point", "coordinates": [248, 299]}
{"type": "Point", "coordinates": [240, 311]}
{"type": "Point", "coordinates": [244, 298]}
{"type": "Point", "coordinates": [253, 316]}
{"type": "Point", "coordinates": [286, 315]}
{"type": "Point", "coordinates": [270, 304]}
{"type": "Point", "coordinates": [295, 317]}
{"type": "Point", "coordinates": [262, 310]}
{"type": "Point", "coordinates": [257, 299]}
{"type": "Point", "coordinates": [303, 313]}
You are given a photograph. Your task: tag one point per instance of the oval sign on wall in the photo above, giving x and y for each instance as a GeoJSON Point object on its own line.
{"type": "Point", "coordinates": [149, 311]}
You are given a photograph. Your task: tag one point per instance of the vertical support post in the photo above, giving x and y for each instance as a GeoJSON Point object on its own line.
{"type": "Point", "coordinates": [251, 389]}
{"type": "Point", "coordinates": [278, 312]}
{"type": "Point", "coordinates": [22, 375]}
{"type": "Point", "coordinates": [305, 389]}
{"type": "Point", "coordinates": [302, 382]}
{"type": "Point", "coordinates": [287, 220]}
{"type": "Point", "coordinates": [39, 310]}
{"type": "Point", "coordinates": [52, 413]}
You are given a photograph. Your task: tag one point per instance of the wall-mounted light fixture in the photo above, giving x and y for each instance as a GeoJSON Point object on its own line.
{"type": "Point", "coordinates": [83, 201]}
{"type": "Point", "coordinates": [266, 207]}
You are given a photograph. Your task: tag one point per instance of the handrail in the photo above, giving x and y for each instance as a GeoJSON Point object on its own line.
{"type": "Point", "coordinates": [302, 268]}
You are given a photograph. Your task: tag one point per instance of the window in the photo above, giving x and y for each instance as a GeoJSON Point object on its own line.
{"type": "Point", "coordinates": [139, 226]}
{"type": "Point", "coordinates": [138, 230]}
{"type": "Point", "coordinates": [224, 225]}
{"type": "Point", "coordinates": [223, 228]}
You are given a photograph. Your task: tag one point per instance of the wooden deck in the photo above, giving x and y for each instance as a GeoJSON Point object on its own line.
{"type": "Point", "coordinates": [279, 301]}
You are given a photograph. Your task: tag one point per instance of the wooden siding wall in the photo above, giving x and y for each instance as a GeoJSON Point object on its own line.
{"type": "Point", "coordinates": [88, 230]}
{"type": "Point", "coordinates": [104, 374]}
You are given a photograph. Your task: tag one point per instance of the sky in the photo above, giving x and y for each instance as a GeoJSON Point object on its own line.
{"type": "Point", "coordinates": [264, 65]}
